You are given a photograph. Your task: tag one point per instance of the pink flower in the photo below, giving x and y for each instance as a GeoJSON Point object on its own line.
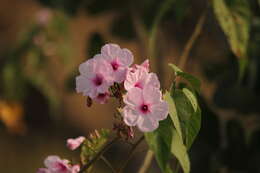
{"type": "Point", "coordinates": [43, 170]}
{"type": "Point", "coordinates": [118, 59]}
{"type": "Point", "coordinates": [43, 16]}
{"type": "Point", "coordinates": [95, 77]}
{"type": "Point", "coordinates": [75, 169]}
{"type": "Point", "coordinates": [102, 98]}
{"type": "Point", "coordinates": [144, 108]}
{"type": "Point", "coordinates": [144, 65]}
{"type": "Point", "coordinates": [56, 165]}
{"type": "Point", "coordinates": [75, 143]}
{"type": "Point", "coordinates": [140, 78]}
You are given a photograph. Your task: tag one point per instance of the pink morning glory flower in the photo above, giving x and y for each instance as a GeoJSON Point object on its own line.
{"type": "Point", "coordinates": [73, 144]}
{"type": "Point", "coordinates": [102, 98]}
{"type": "Point", "coordinates": [55, 165]}
{"type": "Point", "coordinates": [140, 78]}
{"type": "Point", "coordinates": [95, 77]}
{"type": "Point", "coordinates": [75, 169]}
{"type": "Point", "coordinates": [144, 65]}
{"type": "Point", "coordinates": [118, 59]}
{"type": "Point", "coordinates": [144, 108]}
{"type": "Point", "coordinates": [43, 170]}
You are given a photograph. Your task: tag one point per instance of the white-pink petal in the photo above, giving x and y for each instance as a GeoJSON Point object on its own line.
{"type": "Point", "coordinates": [130, 116]}
{"type": "Point", "coordinates": [73, 144]}
{"type": "Point", "coordinates": [134, 97]}
{"type": "Point", "coordinates": [147, 124]}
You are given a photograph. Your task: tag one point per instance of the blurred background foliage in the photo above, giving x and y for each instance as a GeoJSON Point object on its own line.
{"type": "Point", "coordinates": [43, 42]}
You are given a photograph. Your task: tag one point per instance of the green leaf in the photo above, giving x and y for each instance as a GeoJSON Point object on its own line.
{"type": "Point", "coordinates": [190, 119]}
{"type": "Point", "coordinates": [173, 113]}
{"type": "Point", "coordinates": [94, 144]}
{"type": "Point", "coordinates": [191, 97]}
{"type": "Point", "coordinates": [234, 18]}
{"type": "Point", "coordinates": [180, 151]}
{"type": "Point", "coordinates": [194, 82]}
{"type": "Point", "coordinates": [159, 142]}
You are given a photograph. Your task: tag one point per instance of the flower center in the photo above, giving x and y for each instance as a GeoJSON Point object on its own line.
{"type": "Point", "coordinates": [98, 80]}
{"type": "Point", "coordinates": [138, 85]}
{"type": "Point", "coordinates": [114, 65]}
{"type": "Point", "coordinates": [61, 167]}
{"type": "Point", "coordinates": [144, 108]}
{"type": "Point", "coordinates": [101, 95]}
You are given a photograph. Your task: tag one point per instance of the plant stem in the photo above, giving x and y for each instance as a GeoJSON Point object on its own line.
{"type": "Point", "coordinates": [147, 162]}
{"type": "Point", "coordinates": [130, 154]}
{"type": "Point", "coordinates": [108, 164]}
{"type": "Point", "coordinates": [177, 168]}
{"type": "Point", "coordinates": [191, 41]}
{"type": "Point", "coordinates": [98, 155]}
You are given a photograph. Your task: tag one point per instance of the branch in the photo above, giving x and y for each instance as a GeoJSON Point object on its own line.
{"type": "Point", "coordinates": [147, 162]}
{"type": "Point", "coordinates": [108, 164]}
{"type": "Point", "coordinates": [130, 154]}
{"type": "Point", "coordinates": [191, 41]}
{"type": "Point", "coordinates": [98, 155]}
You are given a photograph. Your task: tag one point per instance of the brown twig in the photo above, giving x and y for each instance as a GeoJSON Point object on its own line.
{"type": "Point", "coordinates": [191, 41]}
{"type": "Point", "coordinates": [130, 154]}
{"type": "Point", "coordinates": [147, 162]}
{"type": "Point", "coordinates": [98, 155]}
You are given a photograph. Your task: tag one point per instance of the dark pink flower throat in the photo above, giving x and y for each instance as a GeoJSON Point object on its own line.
{"type": "Point", "coordinates": [98, 80]}
{"type": "Point", "coordinates": [114, 65]}
{"type": "Point", "coordinates": [144, 108]}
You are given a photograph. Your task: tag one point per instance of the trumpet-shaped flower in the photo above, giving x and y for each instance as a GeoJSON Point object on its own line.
{"type": "Point", "coordinates": [140, 78]}
{"type": "Point", "coordinates": [73, 144]}
{"type": "Point", "coordinates": [56, 165]}
{"type": "Point", "coordinates": [118, 59]}
{"type": "Point", "coordinates": [95, 77]}
{"type": "Point", "coordinates": [144, 108]}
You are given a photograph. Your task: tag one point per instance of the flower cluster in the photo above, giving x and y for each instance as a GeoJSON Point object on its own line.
{"type": "Point", "coordinates": [144, 106]}
{"type": "Point", "coordinates": [54, 164]}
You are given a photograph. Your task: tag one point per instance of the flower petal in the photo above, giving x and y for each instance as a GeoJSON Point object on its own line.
{"type": "Point", "coordinates": [147, 124]}
{"type": "Point", "coordinates": [126, 57]}
{"type": "Point", "coordinates": [160, 110]}
{"type": "Point", "coordinates": [83, 85]}
{"type": "Point", "coordinates": [151, 95]}
{"type": "Point", "coordinates": [110, 50]}
{"type": "Point", "coordinates": [130, 116]}
{"type": "Point", "coordinates": [133, 97]}
{"type": "Point", "coordinates": [153, 80]}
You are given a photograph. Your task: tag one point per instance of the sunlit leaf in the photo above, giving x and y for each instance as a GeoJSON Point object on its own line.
{"type": "Point", "coordinates": [190, 120]}
{"type": "Point", "coordinates": [179, 151]}
{"type": "Point", "coordinates": [234, 19]}
{"type": "Point", "coordinates": [193, 81]}
{"type": "Point", "coordinates": [159, 142]}
{"type": "Point", "coordinates": [191, 98]}
{"type": "Point", "coordinates": [173, 113]}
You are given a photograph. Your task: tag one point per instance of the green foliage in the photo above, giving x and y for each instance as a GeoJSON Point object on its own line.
{"type": "Point", "coordinates": [176, 134]}
{"type": "Point", "coordinates": [194, 82]}
{"type": "Point", "coordinates": [94, 144]}
{"type": "Point", "coordinates": [159, 142]}
{"type": "Point", "coordinates": [234, 18]}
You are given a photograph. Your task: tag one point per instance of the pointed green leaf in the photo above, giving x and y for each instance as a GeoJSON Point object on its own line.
{"type": "Point", "coordinates": [234, 18]}
{"type": "Point", "coordinates": [189, 119]}
{"type": "Point", "coordinates": [191, 98]}
{"type": "Point", "coordinates": [180, 152]}
{"type": "Point", "coordinates": [159, 142]}
{"type": "Point", "coordinates": [193, 81]}
{"type": "Point", "coordinates": [173, 113]}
